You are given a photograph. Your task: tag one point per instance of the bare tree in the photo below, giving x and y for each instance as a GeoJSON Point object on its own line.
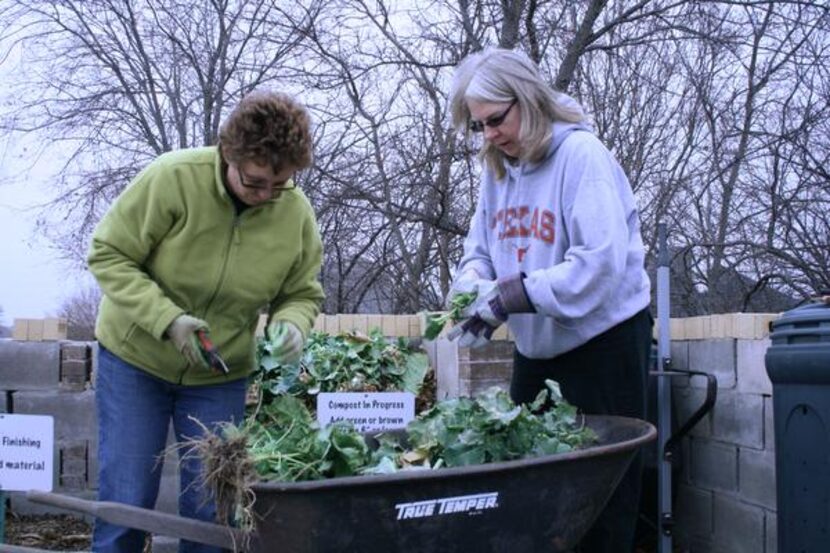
{"type": "Point", "coordinates": [717, 111]}
{"type": "Point", "coordinates": [80, 311]}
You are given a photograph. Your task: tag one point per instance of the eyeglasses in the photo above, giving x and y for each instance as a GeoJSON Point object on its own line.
{"type": "Point", "coordinates": [493, 121]}
{"type": "Point", "coordinates": [259, 185]}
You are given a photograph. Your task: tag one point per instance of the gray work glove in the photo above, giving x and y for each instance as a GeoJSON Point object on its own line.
{"type": "Point", "coordinates": [182, 332]}
{"type": "Point", "coordinates": [286, 341]}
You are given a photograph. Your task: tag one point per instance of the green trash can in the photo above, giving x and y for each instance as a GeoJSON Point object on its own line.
{"type": "Point", "coordinates": [798, 364]}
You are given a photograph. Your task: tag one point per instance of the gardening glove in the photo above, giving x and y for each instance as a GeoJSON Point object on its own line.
{"type": "Point", "coordinates": [464, 283]}
{"type": "Point", "coordinates": [286, 342]}
{"type": "Point", "coordinates": [471, 333]}
{"type": "Point", "coordinates": [182, 332]}
{"type": "Point", "coordinates": [498, 298]}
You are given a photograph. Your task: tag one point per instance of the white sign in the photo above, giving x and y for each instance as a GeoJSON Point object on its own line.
{"type": "Point", "coordinates": [27, 444]}
{"type": "Point", "coordinates": [367, 411]}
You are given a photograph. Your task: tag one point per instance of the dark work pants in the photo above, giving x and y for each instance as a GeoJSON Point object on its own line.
{"type": "Point", "coordinates": [605, 376]}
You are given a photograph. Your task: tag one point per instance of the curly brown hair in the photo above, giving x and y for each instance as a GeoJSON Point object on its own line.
{"type": "Point", "coordinates": [267, 127]}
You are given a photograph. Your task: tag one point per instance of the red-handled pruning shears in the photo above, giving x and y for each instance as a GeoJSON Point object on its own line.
{"type": "Point", "coordinates": [214, 359]}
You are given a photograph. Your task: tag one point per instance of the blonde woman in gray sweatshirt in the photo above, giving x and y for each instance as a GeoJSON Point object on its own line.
{"type": "Point", "coordinates": [555, 252]}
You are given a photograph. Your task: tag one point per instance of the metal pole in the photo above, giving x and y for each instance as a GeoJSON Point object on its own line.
{"type": "Point", "coordinates": [664, 430]}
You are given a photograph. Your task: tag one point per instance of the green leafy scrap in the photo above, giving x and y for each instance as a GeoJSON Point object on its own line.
{"type": "Point", "coordinates": [287, 444]}
{"type": "Point", "coordinates": [342, 363]}
{"type": "Point", "coordinates": [437, 321]}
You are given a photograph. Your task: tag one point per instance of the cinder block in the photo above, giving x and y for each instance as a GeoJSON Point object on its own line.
{"type": "Point", "coordinates": [74, 413]}
{"type": "Point", "coordinates": [688, 400]}
{"type": "Point", "coordinates": [751, 368]}
{"type": "Point", "coordinates": [415, 326]}
{"type": "Point", "coordinates": [714, 465]}
{"type": "Point", "coordinates": [769, 425]}
{"type": "Point", "coordinates": [771, 531]}
{"type": "Point", "coordinates": [713, 357]}
{"type": "Point", "coordinates": [756, 477]}
{"type": "Point", "coordinates": [474, 388]}
{"type": "Point", "coordinates": [679, 355]}
{"type": "Point", "coordinates": [319, 323]}
{"type": "Point", "coordinates": [694, 513]}
{"type": "Point", "coordinates": [4, 401]}
{"type": "Point", "coordinates": [739, 527]}
{"type": "Point", "coordinates": [739, 419]}
{"type": "Point", "coordinates": [29, 365]}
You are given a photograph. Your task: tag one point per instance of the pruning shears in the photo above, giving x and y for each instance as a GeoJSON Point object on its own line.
{"type": "Point", "coordinates": [214, 359]}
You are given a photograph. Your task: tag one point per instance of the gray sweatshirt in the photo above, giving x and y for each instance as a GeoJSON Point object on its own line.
{"type": "Point", "coordinates": [570, 224]}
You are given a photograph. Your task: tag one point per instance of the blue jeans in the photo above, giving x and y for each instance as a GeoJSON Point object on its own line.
{"type": "Point", "coordinates": [134, 413]}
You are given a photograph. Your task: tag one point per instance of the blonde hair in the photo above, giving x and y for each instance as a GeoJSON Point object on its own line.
{"type": "Point", "coordinates": [498, 75]}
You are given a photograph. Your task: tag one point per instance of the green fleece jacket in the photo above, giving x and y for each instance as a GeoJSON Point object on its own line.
{"type": "Point", "coordinates": [172, 243]}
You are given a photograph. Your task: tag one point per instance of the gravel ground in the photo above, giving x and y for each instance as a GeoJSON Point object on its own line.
{"type": "Point", "coordinates": [51, 532]}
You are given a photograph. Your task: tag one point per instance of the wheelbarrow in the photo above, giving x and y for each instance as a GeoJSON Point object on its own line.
{"type": "Point", "coordinates": [537, 504]}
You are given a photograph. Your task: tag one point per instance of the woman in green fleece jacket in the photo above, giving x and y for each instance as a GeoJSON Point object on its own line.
{"type": "Point", "coordinates": [202, 239]}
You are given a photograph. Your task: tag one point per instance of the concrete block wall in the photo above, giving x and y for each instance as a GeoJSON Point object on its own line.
{"type": "Point", "coordinates": [726, 489]}
{"type": "Point", "coordinates": [726, 495]}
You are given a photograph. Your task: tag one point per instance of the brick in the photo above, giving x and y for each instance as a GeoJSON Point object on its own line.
{"type": "Point", "coordinates": [751, 368]}
{"type": "Point", "coordinates": [29, 365]}
{"type": "Point", "coordinates": [714, 466]}
{"type": "Point", "coordinates": [373, 322]}
{"type": "Point", "coordinates": [388, 325]}
{"type": "Point", "coordinates": [54, 329]}
{"type": "Point", "coordinates": [21, 329]}
{"type": "Point", "coordinates": [35, 330]}
{"type": "Point", "coordinates": [715, 357]}
{"type": "Point", "coordinates": [360, 324]}
{"type": "Point", "coordinates": [332, 324]}
{"type": "Point", "coordinates": [74, 413]}
{"type": "Point", "coordinates": [402, 326]}
{"type": "Point", "coordinates": [739, 419]}
{"type": "Point", "coordinates": [739, 527]}
{"type": "Point", "coordinates": [756, 477]}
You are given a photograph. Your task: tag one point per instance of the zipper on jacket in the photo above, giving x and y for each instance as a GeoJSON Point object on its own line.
{"type": "Point", "coordinates": [234, 238]}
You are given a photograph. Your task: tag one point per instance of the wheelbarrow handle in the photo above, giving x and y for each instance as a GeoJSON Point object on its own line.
{"type": "Point", "coordinates": [155, 522]}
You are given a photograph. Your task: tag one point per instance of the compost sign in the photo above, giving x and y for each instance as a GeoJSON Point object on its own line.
{"type": "Point", "coordinates": [367, 411]}
{"type": "Point", "coordinates": [27, 444]}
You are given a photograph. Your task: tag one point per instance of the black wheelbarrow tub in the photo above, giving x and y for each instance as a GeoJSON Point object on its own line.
{"type": "Point", "coordinates": [529, 505]}
{"type": "Point", "coordinates": [542, 504]}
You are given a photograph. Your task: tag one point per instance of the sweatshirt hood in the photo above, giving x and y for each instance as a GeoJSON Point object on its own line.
{"type": "Point", "coordinates": [560, 130]}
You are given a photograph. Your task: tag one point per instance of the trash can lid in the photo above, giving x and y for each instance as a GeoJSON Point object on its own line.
{"type": "Point", "coordinates": [808, 319]}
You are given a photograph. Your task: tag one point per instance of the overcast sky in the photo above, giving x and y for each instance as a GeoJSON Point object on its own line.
{"type": "Point", "coordinates": [33, 282]}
